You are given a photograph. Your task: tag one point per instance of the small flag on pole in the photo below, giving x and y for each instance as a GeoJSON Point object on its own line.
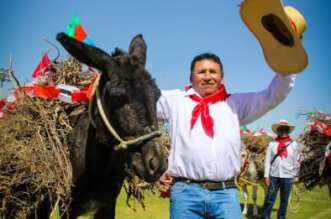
{"type": "Point", "coordinates": [42, 67]}
{"type": "Point", "coordinates": [76, 31]}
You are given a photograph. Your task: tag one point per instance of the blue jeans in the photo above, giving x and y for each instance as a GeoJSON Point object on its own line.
{"type": "Point", "coordinates": [285, 185]}
{"type": "Point", "coordinates": [191, 201]}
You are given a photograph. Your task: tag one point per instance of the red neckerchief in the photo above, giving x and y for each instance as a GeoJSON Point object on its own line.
{"type": "Point", "coordinates": [203, 108]}
{"type": "Point", "coordinates": [282, 144]}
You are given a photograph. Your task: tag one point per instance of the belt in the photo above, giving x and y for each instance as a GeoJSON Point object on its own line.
{"type": "Point", "coordinates": [210, 185]}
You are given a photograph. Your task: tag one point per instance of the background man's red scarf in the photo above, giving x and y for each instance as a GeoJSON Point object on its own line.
{"type": "Point", "coordinates": [282, 143]}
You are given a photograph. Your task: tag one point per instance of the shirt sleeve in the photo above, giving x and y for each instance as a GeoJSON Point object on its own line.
{"type": "Point", "coordinates": [267, 161]}
{"type": "Point", "coordinates": [166, 103]}
{"type": "Point", "coordinates": [254, 105]}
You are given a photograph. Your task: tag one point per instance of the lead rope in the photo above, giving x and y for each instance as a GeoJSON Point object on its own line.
{"type": "Point", "coordinates": [248, 182]}
{"type": "Point", "coordinates": [123, 144]}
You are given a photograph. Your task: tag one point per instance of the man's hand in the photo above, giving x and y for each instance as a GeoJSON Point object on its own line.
{"type": "Point", "coordinates": [267, 181]}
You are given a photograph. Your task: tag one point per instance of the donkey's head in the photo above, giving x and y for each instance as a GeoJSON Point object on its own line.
{"type": "Point", "coordinates": [128, 96]}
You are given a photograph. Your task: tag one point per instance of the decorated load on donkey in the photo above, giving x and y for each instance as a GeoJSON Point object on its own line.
{"type": "Point", "coordinates": [34, 156]}
{"type": "Point", "coordinates": [50, 145]}
{"type": "Point", "coordinates": [315, 165]}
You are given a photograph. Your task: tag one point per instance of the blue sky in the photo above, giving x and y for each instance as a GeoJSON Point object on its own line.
{"type": "Point", "coordinates": [175, 31]}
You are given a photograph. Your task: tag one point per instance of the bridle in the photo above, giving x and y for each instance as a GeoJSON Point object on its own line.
{"type": "Point", "coordinates": [123, 144]}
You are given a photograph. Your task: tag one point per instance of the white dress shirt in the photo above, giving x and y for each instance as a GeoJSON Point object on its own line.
{"type": "Point", "coordinates": [282, 167]}
{"type": "Point", "coordinates": [195, 155]}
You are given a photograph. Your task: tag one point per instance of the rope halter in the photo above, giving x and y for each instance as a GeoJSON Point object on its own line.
{"type": "Point", "coordinates": [123, 144]}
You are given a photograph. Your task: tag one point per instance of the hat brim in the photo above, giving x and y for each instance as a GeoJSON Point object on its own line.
{"type": "Point", "coordinates": [281, 58]}
{"type": "Point", "coordinates": [274, 127]}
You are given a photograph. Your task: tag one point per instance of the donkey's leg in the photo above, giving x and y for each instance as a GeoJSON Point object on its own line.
{"type": "Point", "coordinates": [244, 211]}
{"type": "Point", "coordinates": [254, 196]}
{"type": "Point", "coordinates": [106, 212]}
{"type": "Point", "coordinates": [80, 203]}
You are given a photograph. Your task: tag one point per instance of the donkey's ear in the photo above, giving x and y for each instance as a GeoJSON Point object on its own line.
{"type": "Point", "coordinates": [84, 53]}
{"type": "Point", "coordinates": [138, 49]}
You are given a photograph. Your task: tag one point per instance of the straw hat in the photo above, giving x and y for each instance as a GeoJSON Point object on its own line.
{"type": "Point", "coordinates": [282, 122]}
{"type": "Point", "coordinates": [279, 31]}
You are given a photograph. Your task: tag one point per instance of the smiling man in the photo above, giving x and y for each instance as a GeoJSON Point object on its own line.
{"type": "Point", "coordinates": [206, 75]}
{"type": "Point", "coordinates": [204, 124]}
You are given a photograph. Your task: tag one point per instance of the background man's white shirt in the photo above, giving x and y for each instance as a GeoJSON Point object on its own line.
{"type": "Point", "coordinates": [282, 167]}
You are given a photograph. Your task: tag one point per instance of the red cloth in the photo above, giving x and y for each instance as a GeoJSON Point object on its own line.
{"type": "Point", "coordinates": [49, 91]}
{"type": "Point", "coordinates": [282, 143]}
{"type": "Point", "coordinates": [165, 179]}
{"type": "Point", "coordinates": [327, 131]}
{"type": "Point", "coordinates": [2, 103]}
{"type": "Point", "coordinates": [81, 95]}
{"type": "Point", "coordinates": [203, 109]}
{"type": "Point", "coordinates": [84, 94]}
{"type": "Point", "coordinates": [165, 194]}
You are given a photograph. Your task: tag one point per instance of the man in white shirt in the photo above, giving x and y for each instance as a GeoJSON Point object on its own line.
{"type": "Point", "coordinates": [204, 123]}
{"type": "Point", "coordinates": [280, 167]}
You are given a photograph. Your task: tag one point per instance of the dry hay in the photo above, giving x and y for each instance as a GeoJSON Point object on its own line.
{"type": "Point", "coordinates": [34, 160]}
{"type": "Point", "coordinates": [314, 169]}
{"type": "Point", "coordinates": [69, 72]}
{"type": "Point", "coordinates": [257, 144]}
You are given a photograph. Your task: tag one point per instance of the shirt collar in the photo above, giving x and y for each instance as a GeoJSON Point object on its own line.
{"type": "Point", "coordinates": [190, 92]}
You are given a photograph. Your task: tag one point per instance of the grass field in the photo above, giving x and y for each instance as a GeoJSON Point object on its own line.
{"type": "Point", "coordinates": [315, 204]}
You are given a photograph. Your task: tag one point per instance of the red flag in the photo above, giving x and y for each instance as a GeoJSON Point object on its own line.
{"type": "Point", "coordinates": [40, 70]}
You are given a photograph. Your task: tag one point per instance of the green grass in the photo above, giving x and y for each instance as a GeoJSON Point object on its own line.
{"type": "Point", "coordinates": [155, 207]}
{"type": "Point", "coordinates": [313, 204]}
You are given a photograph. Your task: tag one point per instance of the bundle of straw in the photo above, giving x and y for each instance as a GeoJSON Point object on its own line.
{"type": "Point", "coordinates": [315, 169]}
{"type": "Point", "coordinates": [257, 144]}
{"type": "Point", "coordinates": [35, 169]}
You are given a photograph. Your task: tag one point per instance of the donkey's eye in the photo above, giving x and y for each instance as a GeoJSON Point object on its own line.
{"type": "Point", "coordinates": [118, 98]}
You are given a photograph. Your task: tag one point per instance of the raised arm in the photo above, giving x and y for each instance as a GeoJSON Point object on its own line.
{"type": "Point", "coordinates": [254, 105]}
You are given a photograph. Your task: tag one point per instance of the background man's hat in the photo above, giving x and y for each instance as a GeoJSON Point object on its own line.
{"type": "Point", "coordinates": [279, 31]}
{"type": "Point", "coordinates": [282, 122]}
